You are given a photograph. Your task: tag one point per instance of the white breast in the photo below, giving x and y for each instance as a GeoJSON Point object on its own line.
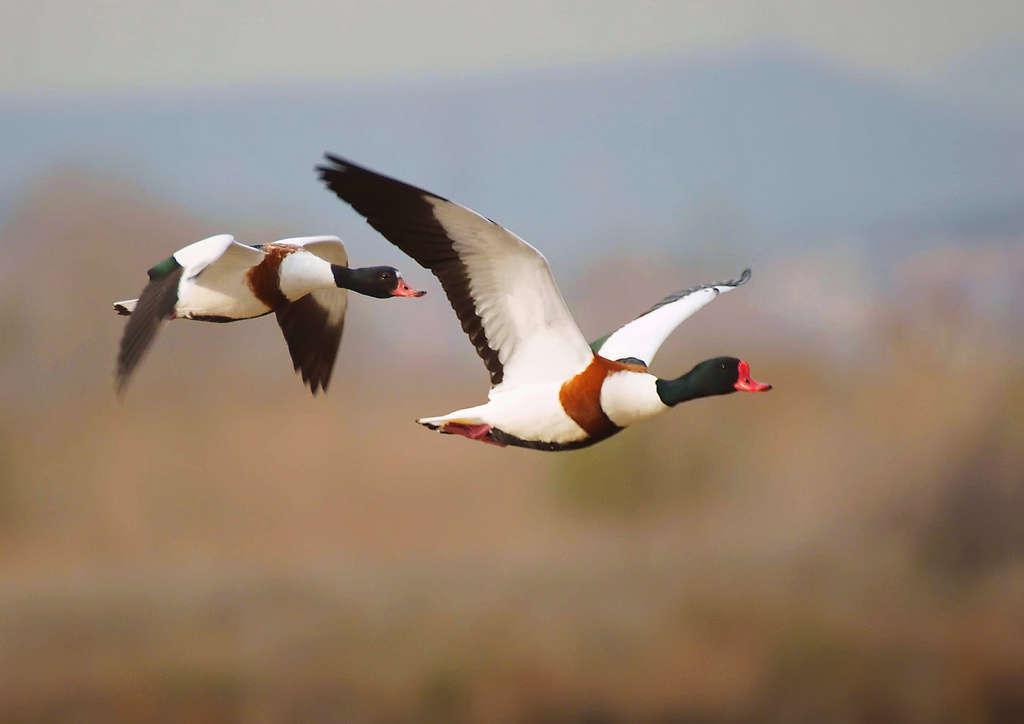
{"type": "Point", "coordinates": [301, 272]}
{"type": "Point", "coordinates": [627, 397]}
{"type": "Point", "coordinates": [533, 412]}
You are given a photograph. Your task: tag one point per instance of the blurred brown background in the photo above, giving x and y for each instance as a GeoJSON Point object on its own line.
{"type": "Point", "coordinates": [221, 546]}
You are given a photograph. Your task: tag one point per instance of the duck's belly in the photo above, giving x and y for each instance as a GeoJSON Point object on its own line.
{"type": "Point", "coordinates": [235, 302]}
{"type": "Point", "coordinates": [533, 413]}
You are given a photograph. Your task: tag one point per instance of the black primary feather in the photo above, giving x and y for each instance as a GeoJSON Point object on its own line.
{"type": "Point", "coordinates": [401, 213]}
{"type": "Point", "coordinates": [155, 304]}
{"type": "Point", "coordinates": [312, 341]}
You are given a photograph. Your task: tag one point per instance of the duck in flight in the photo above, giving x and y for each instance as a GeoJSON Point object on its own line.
{"type": "Point", "coordinates": [304, 281]}
{"type": "Point", "coordinates": [551, 390]}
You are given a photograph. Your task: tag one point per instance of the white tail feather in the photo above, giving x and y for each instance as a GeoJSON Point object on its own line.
{"type": "Point", "coordinates": [435, 423]}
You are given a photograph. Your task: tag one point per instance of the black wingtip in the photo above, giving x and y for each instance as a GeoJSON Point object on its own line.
{"type": "Point", "coordinates": [317, 386]}
{"type": "Point", "coordinates": [122, 375]}
{"type": "Point", "coordinates": [340, 165]}
{"type": "Point", "coordinates": [309, 379]}
{"type": "Point", "coordinates": [345, 178]}
{"type": "Point", "coordinates": [744, 278]}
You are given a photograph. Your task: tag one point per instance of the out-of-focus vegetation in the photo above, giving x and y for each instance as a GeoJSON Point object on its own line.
{"type": "Point", "coordinates": [221, 546]}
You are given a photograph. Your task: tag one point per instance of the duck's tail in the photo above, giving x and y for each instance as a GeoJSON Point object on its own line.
{"type": "Point", "coordinates": [472, 427]}
{"type": "Point", "coordinates": [125, 306]}
{"type": "Point", "coordinates": [459, 417]}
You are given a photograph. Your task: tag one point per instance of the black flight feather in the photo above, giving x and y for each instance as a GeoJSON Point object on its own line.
{"type": "Point", "coordinates": [155, 304]}
{"type": "Point", "coordinates": [402, 214]}
{"type": "Point", "coordinates": [312, 341]}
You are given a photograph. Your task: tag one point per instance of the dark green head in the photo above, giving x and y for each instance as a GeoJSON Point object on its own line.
{"type": "Point", "coordinates": [718, 376]}
{"type": "Point", "coordinates": [374, 281]}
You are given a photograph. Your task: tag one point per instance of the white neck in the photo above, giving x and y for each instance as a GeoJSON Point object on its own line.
{"type": "Point", "coordinates": [301, 272]}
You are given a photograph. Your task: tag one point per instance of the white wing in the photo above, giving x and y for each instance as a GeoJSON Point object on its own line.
{"type": "Point", "coordinates": [216, 258]}
{"type": "Point", "coordinates": [500, 287]}
{"type": "Point", "coordinates": [330, 248]}
{"type": "Point", "coordinates": [523, 314]}
{"type": "Point", "coordinates": [642, 337]}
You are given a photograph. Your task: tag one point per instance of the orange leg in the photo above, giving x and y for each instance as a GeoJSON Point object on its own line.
{"type": "Point", "coordinates": [473, 432]}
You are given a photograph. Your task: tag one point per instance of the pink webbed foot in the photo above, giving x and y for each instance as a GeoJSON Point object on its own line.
{"type": "Point", "coordinates": [473, 432]}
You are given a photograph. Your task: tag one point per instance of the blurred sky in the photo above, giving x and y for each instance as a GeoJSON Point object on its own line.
{"type": "Point", "coordinates": [115, 45]}
{"type": "Point", "coordinates": [738, 126]}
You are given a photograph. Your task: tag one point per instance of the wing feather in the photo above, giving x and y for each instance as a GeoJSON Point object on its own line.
{"type": "Point", "coordinates": [227, 268]}
{"type": "Point", "coordinates": [641, 338]}
{"type": "Point", "coordinates": [329, 248]}
{"type": "Point", "coordinates": [313, 325]}
{"type": "Point", "coordinates": [500, 287]}
{"type": "Point", "coordinates": [154, 305]}
{"type": "Point", "coordinates": [312, 330]}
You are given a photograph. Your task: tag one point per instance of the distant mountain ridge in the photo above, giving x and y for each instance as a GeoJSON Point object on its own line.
{"type": "Point", "coordinates": [761, 148]}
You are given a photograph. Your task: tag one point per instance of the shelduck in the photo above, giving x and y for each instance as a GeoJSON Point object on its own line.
{"type": "Point", "coordinates": [304, 281]}
{"type": "Point", "coordinates": [551, 390]}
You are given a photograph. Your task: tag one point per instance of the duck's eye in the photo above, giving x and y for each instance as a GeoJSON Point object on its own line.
{"type": "Point", "coordinates": [723, 365]}
{"type": "Point", "coordinates": [383, 275]}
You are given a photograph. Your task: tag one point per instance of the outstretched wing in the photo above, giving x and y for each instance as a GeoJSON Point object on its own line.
{"type": "Point", "coordinates": [500, 287]}
{"type": "Point", "coordinates": [218, 262]}
{"type": "Point", "coordinates": [641, 338]}
{"type": "Point", "coordinates": [155, 304]}
{"type": "Point", "coordinates": [313, 325]}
